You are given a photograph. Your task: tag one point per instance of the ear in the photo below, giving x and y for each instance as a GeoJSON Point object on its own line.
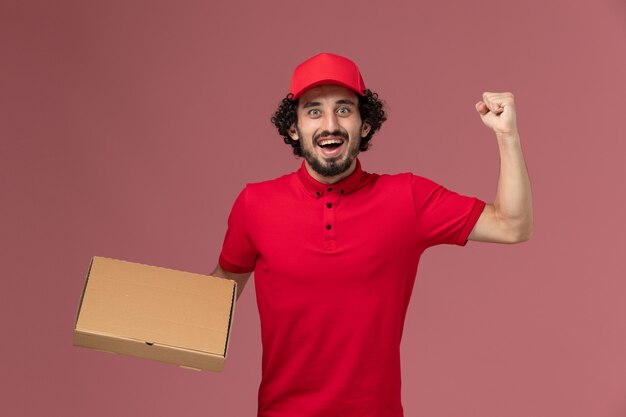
{"type": "Point", "coordinates": [365, 129]}
{"type": "Point", "coordinates": [293, 133]}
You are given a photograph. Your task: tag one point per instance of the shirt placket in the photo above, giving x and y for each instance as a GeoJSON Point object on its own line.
{"type": "Point", "coordinates": [330, 201]}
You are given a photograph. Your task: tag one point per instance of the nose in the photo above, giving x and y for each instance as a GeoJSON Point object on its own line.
{"type": "Point", "coordinates": [330, 122]}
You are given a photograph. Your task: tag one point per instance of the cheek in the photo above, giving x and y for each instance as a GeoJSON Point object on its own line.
{"type": "Point", "coordinates": [354, 129]}
{"type": "Point", "coordinates": [307, 127]}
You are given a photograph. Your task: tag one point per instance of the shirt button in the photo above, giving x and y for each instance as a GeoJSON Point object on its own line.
{"type": "Point", "coordinates": [317, 194]}
{"type": "Point", "coordinates": [329, 205]}
{"type": "Point", "coordinates": [328, 227]}
{"type": "Point", "coordinates": [330, 189]}
{"type": "Point", "coordinates": [341, 191]}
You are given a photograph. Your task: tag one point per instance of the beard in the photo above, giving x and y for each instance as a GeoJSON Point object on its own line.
{"type": "Point", "coordinates": [333, 166]}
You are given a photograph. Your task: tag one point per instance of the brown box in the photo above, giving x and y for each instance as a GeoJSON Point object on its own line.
{"type": "Point", "coordinates": [156, 313]}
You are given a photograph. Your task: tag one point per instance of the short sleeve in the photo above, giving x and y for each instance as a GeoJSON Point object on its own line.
{"type": "Point", "coordinates": [238, 251]}
{"type": "Point", "coordinates": [444, 216]}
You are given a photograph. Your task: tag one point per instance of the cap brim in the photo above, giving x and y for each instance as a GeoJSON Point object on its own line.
{"type": "Point", "coordinates": [323, 82]}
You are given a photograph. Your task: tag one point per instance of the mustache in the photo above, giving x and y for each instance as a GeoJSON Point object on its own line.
{"type": "Point", "coordinates": [326, 133]}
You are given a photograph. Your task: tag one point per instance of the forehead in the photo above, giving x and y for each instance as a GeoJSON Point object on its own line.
{"type": "Point", "coordinates": [327, 93]}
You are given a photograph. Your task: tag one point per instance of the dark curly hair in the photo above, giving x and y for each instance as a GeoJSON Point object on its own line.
{"type": "Point", "coordinates": [370, 108]}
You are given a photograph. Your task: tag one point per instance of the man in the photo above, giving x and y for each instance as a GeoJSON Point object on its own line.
{"type": "Point", "coordinates": [335, 250]}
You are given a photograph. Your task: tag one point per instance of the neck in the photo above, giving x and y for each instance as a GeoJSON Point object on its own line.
{"type": "Point", "coordinates": [330, 180]}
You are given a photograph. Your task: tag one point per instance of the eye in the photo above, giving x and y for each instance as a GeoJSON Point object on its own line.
{"type": "Point", "coordinates": [314, 112]}
{"type": "Point", "coordinates": [343, 111]}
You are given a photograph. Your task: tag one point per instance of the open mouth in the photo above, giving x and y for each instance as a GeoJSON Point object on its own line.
{"type": "Point", "coordinates": [331, 146]}
{"type": "Point", "coordinates": [330, 143]}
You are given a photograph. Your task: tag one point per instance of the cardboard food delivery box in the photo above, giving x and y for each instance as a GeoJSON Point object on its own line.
{"type": "Point", "coordinates": [156, 313]}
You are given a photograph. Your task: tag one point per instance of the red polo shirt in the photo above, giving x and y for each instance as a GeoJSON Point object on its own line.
{"type": "Point", "coordinates": [334, 269]}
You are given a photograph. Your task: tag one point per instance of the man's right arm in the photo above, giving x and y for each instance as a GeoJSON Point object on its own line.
{"type": "Point", "coordinates": [240, 279]}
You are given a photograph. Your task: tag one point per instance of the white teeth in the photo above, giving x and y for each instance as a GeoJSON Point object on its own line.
{"type": "Point", "coordinates": [329, 142]}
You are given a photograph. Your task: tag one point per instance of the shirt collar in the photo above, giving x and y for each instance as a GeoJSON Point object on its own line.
{"type": "Point", "coordinates": [345, 186]}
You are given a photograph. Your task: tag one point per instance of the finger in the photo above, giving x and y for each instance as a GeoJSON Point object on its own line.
{"type": "Point", "coordinates": [487, 97]}
{"type": "Point", "coordinates": [482, 108]}
{"type": "Point", "coordinates": [494, 101]}
{"type": "Point", "coordinates": [497, 107]}
{"type": "Point", "coordinates": [488, 105]}
{"type": "Point", "coordinates": [489, 100]}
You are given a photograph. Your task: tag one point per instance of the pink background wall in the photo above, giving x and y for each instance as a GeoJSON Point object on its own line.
{"type": "Point", "coordinates": [127, 128]}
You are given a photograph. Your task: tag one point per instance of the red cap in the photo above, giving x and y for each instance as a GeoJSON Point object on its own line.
{"type": "Point", "coordinates": [326, 68]}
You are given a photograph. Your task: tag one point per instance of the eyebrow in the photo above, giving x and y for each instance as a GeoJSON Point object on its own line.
{"type": "Point", "coordinates": [345, 101]}
{"type": "Point", "coordinates": [317, 103]}
{"type": "Point", "coordinates": [311, 104]}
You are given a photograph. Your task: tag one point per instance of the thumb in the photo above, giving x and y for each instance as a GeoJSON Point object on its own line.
{"type": "Point", "coordinates": [481, 108]}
